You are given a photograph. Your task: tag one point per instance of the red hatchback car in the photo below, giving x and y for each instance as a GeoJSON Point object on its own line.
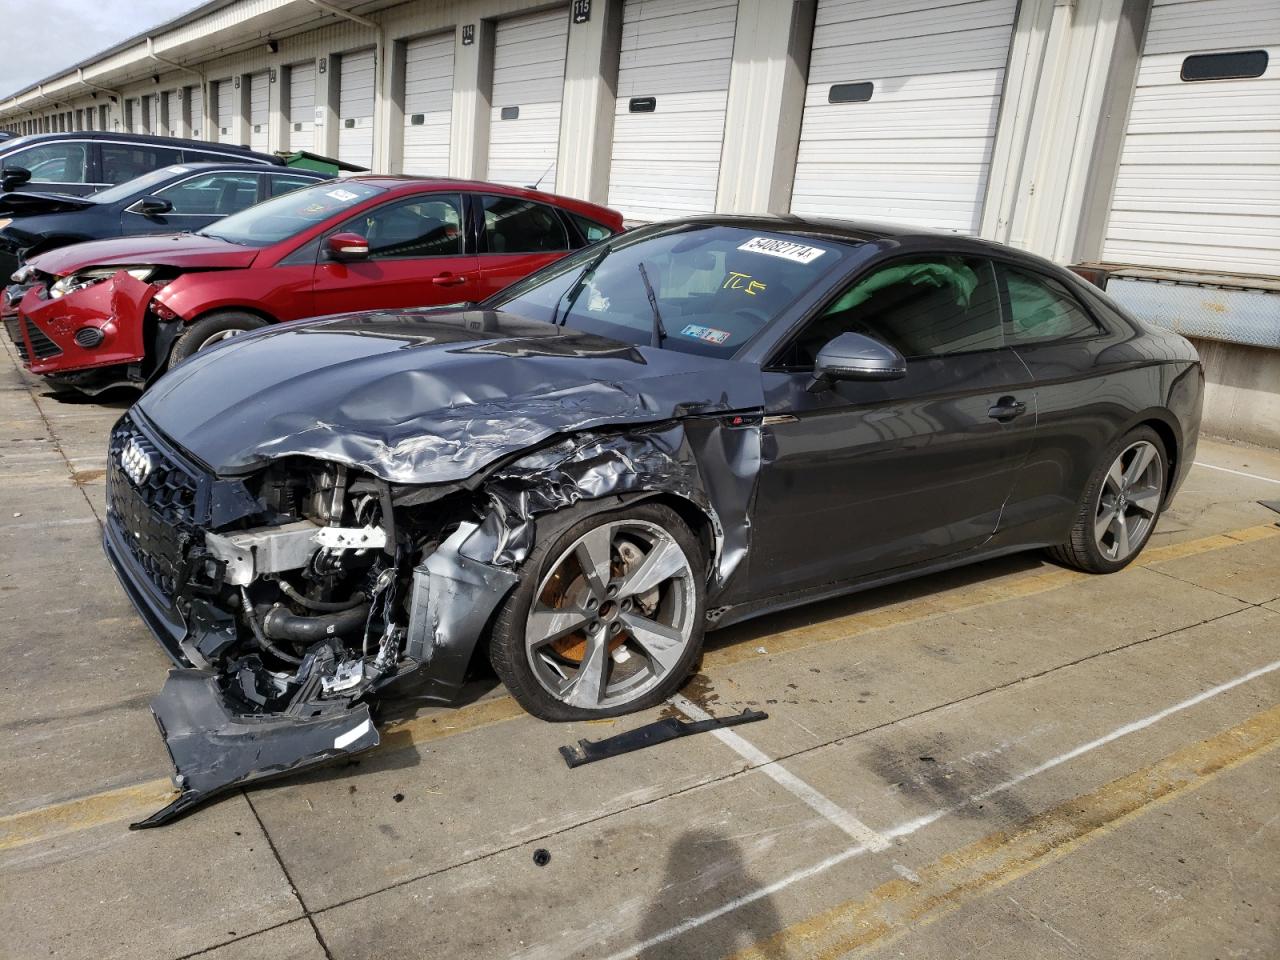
{"type": "Point", "coordinates": [118, 311]}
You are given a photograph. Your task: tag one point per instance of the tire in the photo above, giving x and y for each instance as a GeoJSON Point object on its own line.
{"type": "Point", "coordinates": [612, 648]}
{"type": "Point", "coordinates": [211, 329]}
{"type": "Point", "coordinates": [1118, 512]}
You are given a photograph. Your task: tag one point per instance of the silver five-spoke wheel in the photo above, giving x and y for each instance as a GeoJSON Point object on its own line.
{"type": "Point", "coordinates": [1129, 501]}
{"type": "Point", "coordinates": [218, 338]}
{"type": "Point", "coordinates": [613, 617]}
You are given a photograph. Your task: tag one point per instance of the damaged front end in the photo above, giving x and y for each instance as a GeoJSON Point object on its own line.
{"type": "Point", "coordinates": [290, 601]}
{"type": "Point", "coordinates": [297, 597]}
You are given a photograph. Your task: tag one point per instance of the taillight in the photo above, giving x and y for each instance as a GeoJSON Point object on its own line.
{"type": "Point", "coordinates": [1096, 275]}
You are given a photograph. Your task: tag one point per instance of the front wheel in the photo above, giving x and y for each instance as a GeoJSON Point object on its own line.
{"type": "Point", "coordinates": [211, 330]}
{"type": "Point", "coordinates": [608, 617]}
{"type": "Point", "coordinates": [1121, 505]}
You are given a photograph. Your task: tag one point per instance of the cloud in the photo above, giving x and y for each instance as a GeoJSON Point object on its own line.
{"type": "Point", "coordinates": [64, 32]}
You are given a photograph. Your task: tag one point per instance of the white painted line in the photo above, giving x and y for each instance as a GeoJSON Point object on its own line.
{"type": "Point", "coordinates": [1238, 473]}
{"type": "Point", "coordinates": [911, 826]}
{"type": "Point", "coordinates": [784, 778]}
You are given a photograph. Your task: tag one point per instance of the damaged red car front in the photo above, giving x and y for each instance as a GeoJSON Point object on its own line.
{"type": "Point", "coordinates": [87, 323]}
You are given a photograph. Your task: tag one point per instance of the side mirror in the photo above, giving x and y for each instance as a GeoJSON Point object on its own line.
{"type": "Point", "coordinates": [852, 356]}
{"type": "Point", "coordinates": [347, 246]}
{"type": "Point", "coordinates": [152, 206]}
{"type": "Point", "coordinates": [14, 177]}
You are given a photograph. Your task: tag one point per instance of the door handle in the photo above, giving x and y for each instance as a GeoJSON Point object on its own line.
{"type": "Point", "coordinates": [448, 280]}
{"type": "Point", "coordinates": [1006, 409]}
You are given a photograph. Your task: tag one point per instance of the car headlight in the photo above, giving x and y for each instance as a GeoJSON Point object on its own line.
{"type": "Point", "coordinates": [22, 274]}
{"type": "Point", "coordinates": [87, 278]}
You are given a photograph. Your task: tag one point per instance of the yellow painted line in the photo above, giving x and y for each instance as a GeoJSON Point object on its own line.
{"type": "Point", "coordinates": [110, 806]}
{"type": "Point", "coordinates": [42, 823]}
{"type": "Point", "coordinates": [898, 906]}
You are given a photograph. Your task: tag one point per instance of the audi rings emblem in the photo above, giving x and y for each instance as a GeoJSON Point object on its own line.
{"type": "Point", "coordinates": [136, 462]}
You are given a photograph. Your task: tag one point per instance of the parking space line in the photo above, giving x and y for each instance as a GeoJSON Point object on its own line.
{"type": "Point", "coordinates": [33, 826]}
{"type": "Point", "coordinates": [1007, 855]}
{"type": "Point", "coordinates": [1269, 722]}
{"type": "Point", "coordinates": [775, 771]}
{"type": "Point", "coordinates": [1238, 473]}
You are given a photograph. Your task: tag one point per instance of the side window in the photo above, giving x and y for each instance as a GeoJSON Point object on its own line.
{"type": "Point", "coordinates": [285, 184]}
{"type": "Point", "coordinates": [60, 162]}
{"type": "Point", "coordinates": [1041, 309]}
{"type": "Point", "coordinates": [590, 229]}
{"type": "Point", "coordinates": [421, 227]}
{"type": "Point", "coordinates": [925, 307]}
{"type": "Point", "coordinates": [124, 161]}
{"type": "Point", "coordinates": [213, 195]}
{"type": "Point", "coordinates": [514, 225]}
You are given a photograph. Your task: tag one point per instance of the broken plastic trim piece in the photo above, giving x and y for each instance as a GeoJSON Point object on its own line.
{"type": "Point", "coordinates": [651, 734]}
{"type": "Point", "coordinates": [1271, 504]}
{"type": "Point", "coordinates": [215, 747]}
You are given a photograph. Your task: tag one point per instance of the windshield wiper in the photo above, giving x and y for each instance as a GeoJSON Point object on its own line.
{"type": "Point", "coordinates": [659, 331]}
{"type": "Point", "coordinates": [570, 296]}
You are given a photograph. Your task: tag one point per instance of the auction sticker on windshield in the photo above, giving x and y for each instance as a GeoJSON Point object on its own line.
{"type": "Point", "coordinates": [343, 195]}
{"type": "Point", "coordinates": [709, 334]}
{"type": "Point", "coordinates": [786, 249]}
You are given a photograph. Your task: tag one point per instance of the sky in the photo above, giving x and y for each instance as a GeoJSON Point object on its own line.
{"type": "Point", "coordinates": [41, 37]}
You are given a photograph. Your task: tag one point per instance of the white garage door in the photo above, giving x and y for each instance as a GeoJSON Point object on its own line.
{"type": "Point", "coordinates": [1199, 179]}
{"type": "Point", "coordinates": [355, 108]}
{"type": "Point", "coordinates": [195, 112]}
{"type": "Point", "coordinates": [673, 84]}
{"type": "Point", "coordinates": [223, 94]}
{"type": "Point", "coordinates": [528, 82]}
{"type": "Point", "coordinates": [302, 106]}
{"type": "Point", "coordinates": [901, 110]}
{"type": "Point", "coordinates": [428, 104]}
{"type": "Point", "coordinates": [259, 112]}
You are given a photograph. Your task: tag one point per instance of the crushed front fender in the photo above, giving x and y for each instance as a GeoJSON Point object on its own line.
{"type": "Point", "coordinates": [216, 745]}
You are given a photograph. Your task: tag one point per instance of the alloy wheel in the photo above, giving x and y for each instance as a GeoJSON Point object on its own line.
{"type": "Point", "coordinates": [613, 616]}
{"type": "Point", "coordinates": [1129, 501]}
{"type": "Point", "coordinates": [219, 337]}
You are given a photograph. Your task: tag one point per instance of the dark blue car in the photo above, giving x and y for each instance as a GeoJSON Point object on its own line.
{"type": "Point", "coordinates": [173, 199]}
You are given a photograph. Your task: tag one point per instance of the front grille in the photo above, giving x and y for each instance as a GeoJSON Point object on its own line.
{"type": "Point", "coordinates": [43, 347]}
{"type": "Point", "coordinates": [155, 509]}
{"type": "Point", "coordinates": [15, 334]}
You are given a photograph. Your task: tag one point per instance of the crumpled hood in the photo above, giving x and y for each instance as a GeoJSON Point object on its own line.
{"type": "Point", "coordinates": [17, 204]}
{"type": "Point", "coordinates": [166, 249]}
{"type": "Point", "coordinates": [425, 396]}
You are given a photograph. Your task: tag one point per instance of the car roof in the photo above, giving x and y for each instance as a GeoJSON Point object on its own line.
{"type": "Point", "coordinates": [139, 138]}
{"type": "Point", "coordinates": [411, 184]}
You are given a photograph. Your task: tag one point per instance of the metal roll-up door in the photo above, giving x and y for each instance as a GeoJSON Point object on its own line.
{"type": "Point", "coordinates": [195, 113]}
{"type": "Point", "coordinates": [901, 110]}
{"type": "Point", "coordinates": [223, 97]}
{"type": "Point", "coordinates": [1198, 185]}
{"type": "Point", "coordinates": [673, 86]}
{"type": "Point", "coordinates": [259, 112]}
{"type": "Point", "coordinates": [528, 83]}
{"type": "Point", "coordinates": [302, 106]}
{"type": "Point", "coordinates": [428, 104]}
{"type": "Point", "coordinates": [355, 108]}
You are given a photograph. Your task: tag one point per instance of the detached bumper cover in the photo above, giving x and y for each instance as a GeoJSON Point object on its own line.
{"type": "Point", "coordinates": [215, 747]}
{"type": "Point", "coordinates": [115, 307]}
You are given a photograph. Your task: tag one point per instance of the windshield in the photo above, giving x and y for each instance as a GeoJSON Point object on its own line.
{"type": "Point", "coordinates": [715, 287]}
{"type": "Point", "coordinates": [142, 184]}
{"type": "Point", "coordinates": [289, 214]}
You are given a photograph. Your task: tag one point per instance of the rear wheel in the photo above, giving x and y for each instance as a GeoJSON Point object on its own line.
{"type": "Point", "coordinates": [211, 330]}
{"type": "Point", "coordinates": [1121, 505]}
{"type": "Point", "coordinates": [608, 617]}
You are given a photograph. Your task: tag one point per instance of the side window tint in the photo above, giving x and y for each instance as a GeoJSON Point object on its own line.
{"type": "Point", "coordinates": [52, 162]}
{"type": "Point", "coordinates": [590, 229]}
{"type": "Point", "coordinates": [924, 307]}
{"type": "Point", "coordinates": [422, 227]}
{"type": "Point", "coordinates": [513, 225]}
{"type": "Point", "coordinates": [281, 185]}
{"type": "Point", "coordinates": [1041, 309]}
{"type": "Point", "coordinates": [213, 195]}
{"type": "Point", "coordinates": [121, 162]}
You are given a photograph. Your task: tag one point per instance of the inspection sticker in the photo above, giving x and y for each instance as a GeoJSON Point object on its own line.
{"type": "Point", "coordinates": [709, 334]}
{"type": "Point", "coordinates": [343, 195]}
{"type": "Point", "coordinates": [786, 249]}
